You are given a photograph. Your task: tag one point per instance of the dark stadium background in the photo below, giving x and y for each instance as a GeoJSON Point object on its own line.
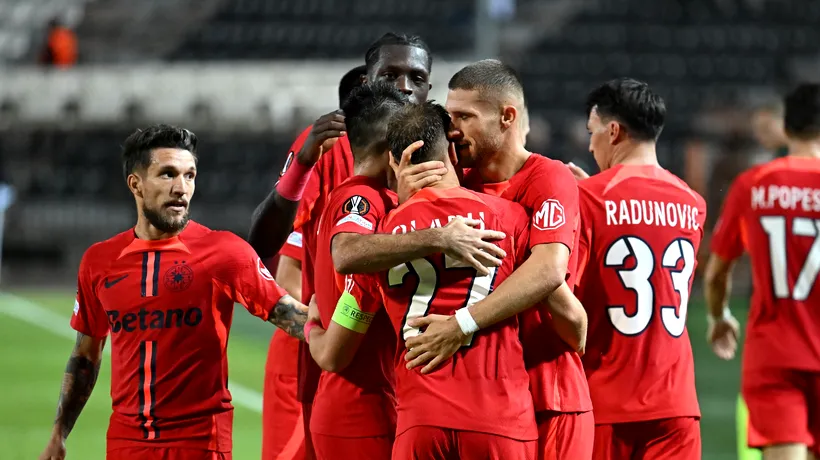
{"type": "Point", "coordinates": [247, 75]}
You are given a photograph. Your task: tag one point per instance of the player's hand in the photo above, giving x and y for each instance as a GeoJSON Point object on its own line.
{"type": "Point", "coordinates": [55, 450]}
{"type": "Point", "coordinates": [325, 132]}
{"type": "Point", "coordinates": [313, 310]}
{"type": "Point", "coordinates": [412, 178]}
{"type": "Point", "coordinates": [576, 171]}
{"type": "Point", "coordinates": [471, 246]}
{"type": "Point", "coordinates": [440, 340]}
{"type": "Point", "coordinates": [722, 335]}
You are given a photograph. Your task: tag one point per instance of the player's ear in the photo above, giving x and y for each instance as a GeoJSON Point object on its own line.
{"type": "Point", "coordinates": [451, 151]}
{"type": "Point", "coordinates": [509, 115]}
{"type": "Point", "coordinates": [134, 184]}
{"type": "Point", "coordinates": [363, 78]}
{"type": "Point", "coordinates": [615, 132]}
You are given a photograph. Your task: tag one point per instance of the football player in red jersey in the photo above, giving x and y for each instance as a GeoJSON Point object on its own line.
{"type": "Point", "coordinates": [165, 292]}
{"type": "Point", "coordinates": [353, 410]}
{"type": "Point", "coordinates": [477, 405]}
{"type": "Point", "coordinates": [641, 227]}
{"type": "Point", "coordinates": [486, 101]}
{"type": "Point", "coordinates": [283, 431]}
{"type": "Point", "coordinates": [772, 211]}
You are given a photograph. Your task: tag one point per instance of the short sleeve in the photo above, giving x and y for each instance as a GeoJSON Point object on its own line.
{"type": "Point", "coordinates": [358, 303]}
{"type": "Point", "coordinates": [585, 228]}
{"type": "Point", "coordinates": [358, 210]}
{"type": "Point", "coordinates": [726, 238]}
{"type": "Point", "coordinates": [521, 234]}
{"type": "Point", "coordinates": [241, 275]}
{"type": "Point", "coordinates": [293, 246]}
{"type": "Point", "coordinates": [553, 194]}
{"type": "Point", "coordinates": [89, 317]}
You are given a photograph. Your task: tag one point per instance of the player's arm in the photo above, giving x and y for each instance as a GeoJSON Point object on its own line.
{"type": "Point", "coordinates": [569, 319]}
{"type": "Point", "coordinates": [243, 277]}
{"type": "Point", "coordinates": [459, 239]}
{"type": "Point", "coordinates": [333, 349]}
{"type": "Point", "coordinates": [727, 246]}
{"type": "Point", "coordinates": [273, 218]}
{"type": "Point", "coordinates": [289, 275]}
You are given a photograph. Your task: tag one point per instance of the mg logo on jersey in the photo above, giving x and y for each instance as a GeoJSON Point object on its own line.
{"type": "Point", "coordinates": [550, 216]}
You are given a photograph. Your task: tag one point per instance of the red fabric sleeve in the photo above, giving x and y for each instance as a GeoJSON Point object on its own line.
{"type": "Point", "coordinates": [242, 276]}
{"type": "Point", "coordinates": [365, 289]}
{"type": "Point", "coordinates": [521, 234]}
{"type": "Point", "coordinates": [554, 193]}
{"type": "Point", "coordinates": [293, 246]}
{"type": "Point", "coordinates": [359, 211]}
{"type": "Point", "coordinates": [727, 242]}
{"type": "Point", "coordinates": [295, 148]}
{"type": "Point", "coordinates": [89, 316]}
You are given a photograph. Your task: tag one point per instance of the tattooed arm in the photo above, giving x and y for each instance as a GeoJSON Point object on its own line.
{"type": "Point", "coordinates": [80, 376]}
{"type": "Point", "coordinates": [290, 315]}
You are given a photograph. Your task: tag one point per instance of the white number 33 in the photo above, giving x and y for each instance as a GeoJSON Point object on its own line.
{"type": "Point", "coordinates": [638, 280]}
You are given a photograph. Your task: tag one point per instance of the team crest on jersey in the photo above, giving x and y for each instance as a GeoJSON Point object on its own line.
{"type": "Point", "coordinates": [550, 216]}
{"type": "Point", "coordinates": [356, 205]}
{"type": "Point", "coordinates": [179, 277]}
{"type": "Point", "coordinates": [263, 270]}
{"type": "Point", "coordinates": [288, 162]}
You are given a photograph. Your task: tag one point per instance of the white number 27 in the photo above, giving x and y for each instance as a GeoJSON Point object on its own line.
{"type": "Point", "coordinates": [638, 280]}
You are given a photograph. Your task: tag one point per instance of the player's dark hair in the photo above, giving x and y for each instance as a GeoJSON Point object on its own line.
{"type": "Point", "coordinates": [137, 148]}
{"type": "Point", "coordinates": [426, 122]}
{"type": "Point", "coordinates": [631, 103]}
{"type": "Point", "coordinates": [490, 77]}
{"type": "Point", "coordinates": [351, 80]}
{"type": "Point", "coordinates": [802, 118]}
{"type": "Point", "coordinates": [368, 110]}
{"type": "Point", "coordinates": [373, 53]}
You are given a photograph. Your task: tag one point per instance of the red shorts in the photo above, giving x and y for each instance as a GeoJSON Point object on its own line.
{"type": "Point", "coordinates": [565, 435]}
{"type": "Point", "coordinates": [337, 448]}
{"type": "Point", "coordinates": [784, 407]}
{"type": "Point", "coordinates": [283, 430]}
{"type": "Point", "coordinates": [164, 453]}
{"type": "Point", "coordinates": [667, 439]}
{"type": "Point", "coordinates": [433, 443]}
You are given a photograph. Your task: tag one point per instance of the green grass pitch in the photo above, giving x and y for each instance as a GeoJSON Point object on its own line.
{"type": "Point", "coordinates": [33, 358]}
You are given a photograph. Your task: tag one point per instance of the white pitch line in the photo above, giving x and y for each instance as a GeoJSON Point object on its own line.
{"type": "Point", "coordinates": [36, 315]}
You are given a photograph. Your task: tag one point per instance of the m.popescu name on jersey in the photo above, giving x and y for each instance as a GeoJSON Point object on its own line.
{"type": "Point", "coordinates": [436, 223]}
{"type": "Point", "coordinates": [648, 212]}
{"type": "Point", "coordinates": [786, 197]}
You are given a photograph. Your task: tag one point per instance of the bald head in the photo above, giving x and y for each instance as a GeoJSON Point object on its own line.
{"type": "Point", "coordinates": [493, 80]}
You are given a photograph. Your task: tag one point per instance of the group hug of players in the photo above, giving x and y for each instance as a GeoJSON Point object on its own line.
{"type": "Point", "coordinates": [461, 297]}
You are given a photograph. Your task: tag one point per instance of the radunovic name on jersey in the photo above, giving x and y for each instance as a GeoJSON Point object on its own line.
{"type": "Point", "coordinates": [652, 213]}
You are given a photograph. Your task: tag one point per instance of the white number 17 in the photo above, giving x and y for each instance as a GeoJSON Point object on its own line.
{"type": "Point", "coordinates": [775, 227]}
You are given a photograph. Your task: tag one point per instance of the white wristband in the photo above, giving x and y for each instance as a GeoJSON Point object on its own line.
{"type": "Point", "coordinates": [466, 321]}
{"type": "Point", "coordinates": [727, 314]}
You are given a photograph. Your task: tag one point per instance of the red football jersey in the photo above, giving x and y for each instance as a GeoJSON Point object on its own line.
{"type": "Point", "coordinates": [641, 229]}
{"type": "Point", "coordinates": [359, 401]}
{"type": "Point", "coordinates": [772, 212]}
{"type": "Point", "coordinates": [333, 168]}
{"type": "Point", "coordinates": [485, 386]}
{"type": "Point", "coordinates": [168, 305]}
{"type": "Point", "coordinates": [549, 193]}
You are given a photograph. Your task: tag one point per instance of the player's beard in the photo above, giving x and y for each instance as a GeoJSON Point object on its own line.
{"type": "Point", "coordinates": [164, 222]}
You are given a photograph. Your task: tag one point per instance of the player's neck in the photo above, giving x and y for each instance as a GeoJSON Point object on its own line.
{"type": "Point", "coordinates": [369, 167]}
{"type": "Point", "coordinates": [636, 154]}
{"type": "Point", "coordinates": [449, 180]}
{"type": "Point", "coordinates": [502, 165]}
{"type": "Point", "coordinates": [804, 149]}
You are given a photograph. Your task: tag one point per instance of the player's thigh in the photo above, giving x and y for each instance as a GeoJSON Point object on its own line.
{"type": "Point", "coordinates": [671, 439]}
{"type": "Point", "coordinates": [778, 407]}
{"type": "Point", "coordinates": [565, 435]}
{"type": "Point", "coordinates": [283, 431]}
{"type": "Point", "coordinates": [613, 442]}
{"type": "Point", "coordinates": [338, 448]}
{"type": "Point", "coordinates": [165, 453]}
{"type": "Point", "coordinates": [425, 443]}
{"type": "Point", "coordinates": [786, 452]}
{"type": "Point", "coordinates": [485, 446]}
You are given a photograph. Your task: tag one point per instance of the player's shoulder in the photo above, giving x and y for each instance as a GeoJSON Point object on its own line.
{"type": "Point", "coordinates": [102, 252]}
{"type": "Point", "coordinates": [499, 204]}
{"type": "Point", "coordinates": [539, 164]}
